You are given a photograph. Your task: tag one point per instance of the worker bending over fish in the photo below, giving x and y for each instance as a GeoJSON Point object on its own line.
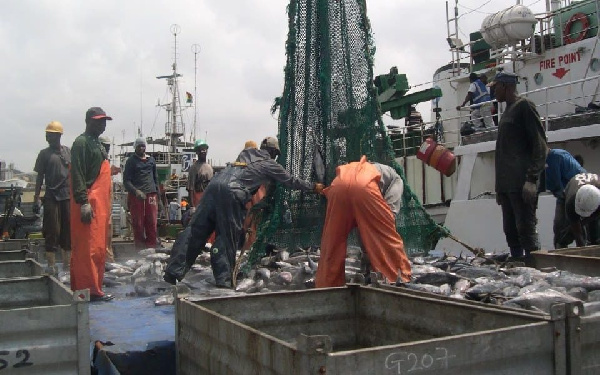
{"type": "Point", "coordinates": [368, 196]}
{"type": "Point", "coordinates": [222, 209]}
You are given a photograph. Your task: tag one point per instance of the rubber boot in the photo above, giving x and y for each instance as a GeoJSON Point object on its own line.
{"type": "Point", "coordinates": [529, 259]}
{"type": "Point", "coordinates": [66, 255]}
{"type": "Point", "coordinates": [51, 259]}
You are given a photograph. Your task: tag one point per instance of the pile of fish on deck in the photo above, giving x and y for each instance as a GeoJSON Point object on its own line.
{"type": "Point", "coordinates": [489, 279]}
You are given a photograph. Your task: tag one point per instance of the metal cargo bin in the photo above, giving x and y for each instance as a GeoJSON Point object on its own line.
{"type": "Point", "coordinates": [584, 344]}
{"type": "Point", "coordinates": [44, 327]}
{"type": "Point", "coordinates": [590, 345]}
{"type": "Point", "coordinates": [20, 268]}
{"type": "Point", "coordinates": [7, 255]}
{"type": "Point", "coordinates": [14, 244]}
{"type": "Point", "coordinates": [363, 330]}
{"type": "Point", "coordinates": [581, 260]}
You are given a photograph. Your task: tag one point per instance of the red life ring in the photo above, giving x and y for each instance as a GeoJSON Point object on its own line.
{"type": "Point", "coordinates": [585, 26]}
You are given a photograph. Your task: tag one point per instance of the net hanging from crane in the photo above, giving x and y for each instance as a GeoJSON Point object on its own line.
{"type": "Point", "coordinates": [329, 110]}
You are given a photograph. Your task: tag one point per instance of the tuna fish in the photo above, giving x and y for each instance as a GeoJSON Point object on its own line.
{"type": "Point", "coordinates": [437, 278]}
{"type": "Point", "coordinates": [164, 300]}
{"type": "Point", "coordinates": [263, 274]}
{"type": "Point", "coordinates": [475, 272]}
{"type": "Point", "coordinates": [570, 280]}
{"type": "Point", "coordinates": [421, 287]}
{"type": "Point", "coordinates": [244, 285]}
{"type": "Point", "coordinates": [484, 292]}
{"type": "Point", "coordinates": [542, 300]}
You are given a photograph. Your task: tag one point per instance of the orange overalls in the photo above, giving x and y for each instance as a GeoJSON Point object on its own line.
{"type": "Point", "coordinates": [88, 241]}
{"type": "Point", "coordinates": [354, 200]}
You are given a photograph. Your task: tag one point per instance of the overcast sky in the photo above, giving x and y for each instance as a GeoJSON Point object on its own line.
{"type": "Point", "coordinates": [61, 57]}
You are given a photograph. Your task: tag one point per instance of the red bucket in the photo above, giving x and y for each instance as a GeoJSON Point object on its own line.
{"type": "Point", "coordinates": [443, 160]}
{"type": "Point", "coordinates": [426, 150]}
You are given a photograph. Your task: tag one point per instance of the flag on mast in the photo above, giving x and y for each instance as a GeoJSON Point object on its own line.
{"type": "Point", "coordinates": [189, 98]}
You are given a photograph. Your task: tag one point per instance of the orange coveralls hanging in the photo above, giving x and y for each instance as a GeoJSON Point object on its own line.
{"type": "Point", "coordinates": [355, 200]}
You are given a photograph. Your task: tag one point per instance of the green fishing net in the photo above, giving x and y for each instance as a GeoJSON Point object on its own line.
{"type": "Point", "coordinates": [329, 111]}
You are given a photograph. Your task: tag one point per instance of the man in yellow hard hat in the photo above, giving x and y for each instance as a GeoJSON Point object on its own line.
{"type": "Point", "coordinates": [250, 144]}
{"type": "Point", "coordinates": [52, 165]}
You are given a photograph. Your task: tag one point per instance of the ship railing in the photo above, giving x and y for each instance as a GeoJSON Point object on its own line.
{"type": "Point", "coordinates": [407, 140]}
{"type": "Point", "coordinates": [549, 34]}
{"type": "Point", "coordinates": [545, 112]}
{"type": "Point", "coordinates": [547, 38]}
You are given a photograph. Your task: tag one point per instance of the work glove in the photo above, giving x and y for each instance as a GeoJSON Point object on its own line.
{"type": "Point", "coordinates": [140, 194]}
{"type": "Point", "coordinates": [37, 207]}
{"type": "Point", "coordinates": [86, 213]}
{"type": "Point", "coordinates": [319, 188]}
{"type": "Point", "coordinates": [529, 193]}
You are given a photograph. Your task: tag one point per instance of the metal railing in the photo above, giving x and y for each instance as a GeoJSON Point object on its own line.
{"type": "Point", "coordinates": [411, 137]}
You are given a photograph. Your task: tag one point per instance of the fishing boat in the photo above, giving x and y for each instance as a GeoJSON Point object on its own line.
{"type": "Point", "coordinates": [173, 152]}
{"type": "Point", "coordinates": [557, 59]}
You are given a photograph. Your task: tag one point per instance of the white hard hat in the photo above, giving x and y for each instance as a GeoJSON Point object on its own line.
{"type": "Point", "coordinates": [587, 200]}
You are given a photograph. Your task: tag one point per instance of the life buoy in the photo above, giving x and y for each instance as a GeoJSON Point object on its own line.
{"type": "Point", "coordinates": [585, 26]}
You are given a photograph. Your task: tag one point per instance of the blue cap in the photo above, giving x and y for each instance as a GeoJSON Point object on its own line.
{"type": "Point", "coordinates": [506, 77]}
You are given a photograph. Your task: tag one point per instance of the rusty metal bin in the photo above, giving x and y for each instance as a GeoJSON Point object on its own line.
{"type": "Point", "coordinates": [20, 268]}
{"type": "Point", "coordinates": [580, 260]}
{"type": "Point", "coordinates": [14, 244]}
{"type": "Point", "coordinates": [583, 344]}
{"type": "Point", "coordinates": [44, 327]}
{"type": "Point", "coordinates": [363, 330]}
{"type": "Point", "coordinates": [7, 255]}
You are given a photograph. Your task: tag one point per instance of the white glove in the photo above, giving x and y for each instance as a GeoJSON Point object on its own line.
{"type": "Point", "coordinates": [529, 193]}
{"type": "Point", "coordinates": [86, 213]}
{"type": "Point", "coordinates": [140, 194]}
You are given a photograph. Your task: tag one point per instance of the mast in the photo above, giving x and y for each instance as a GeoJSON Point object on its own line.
{"type": "Point", "coordinates": [196, 50]}
{"type": "Point", "coordinates": [174, 127]}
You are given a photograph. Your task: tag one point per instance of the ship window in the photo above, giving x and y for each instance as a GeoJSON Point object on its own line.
{"type": "Point", "coordinates": [538, 78]}
{"type": "Point", "coordinates": [595, 64]}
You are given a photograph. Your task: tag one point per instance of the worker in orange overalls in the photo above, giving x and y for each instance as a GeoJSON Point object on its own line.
{"type": "Point", "coordinates": [114, 170]}
{"type": "Point", "coordinates": [368, 196]}
{"type": "Point", "coordinates": [90, 206]}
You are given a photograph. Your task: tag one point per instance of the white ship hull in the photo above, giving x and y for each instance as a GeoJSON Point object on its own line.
{"type": "Point", "coordinates": [559, 80]}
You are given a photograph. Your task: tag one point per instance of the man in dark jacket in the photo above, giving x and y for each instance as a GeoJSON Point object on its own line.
{"type": "Point", "coordinates": [141, 181]}
{"type": "Point", "coordinates": [222, 209]}
{"type": "Point", "coordinates": [90, 206]}
{"type": "Point", "coordinates": [521, 149]}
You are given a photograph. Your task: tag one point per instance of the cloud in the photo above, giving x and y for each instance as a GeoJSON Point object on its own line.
{"type": "Point", "coordinates": [62, 56]}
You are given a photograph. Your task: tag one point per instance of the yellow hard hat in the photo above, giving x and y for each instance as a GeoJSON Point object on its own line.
{"type": "Point", "coordinates": [54, 127]}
